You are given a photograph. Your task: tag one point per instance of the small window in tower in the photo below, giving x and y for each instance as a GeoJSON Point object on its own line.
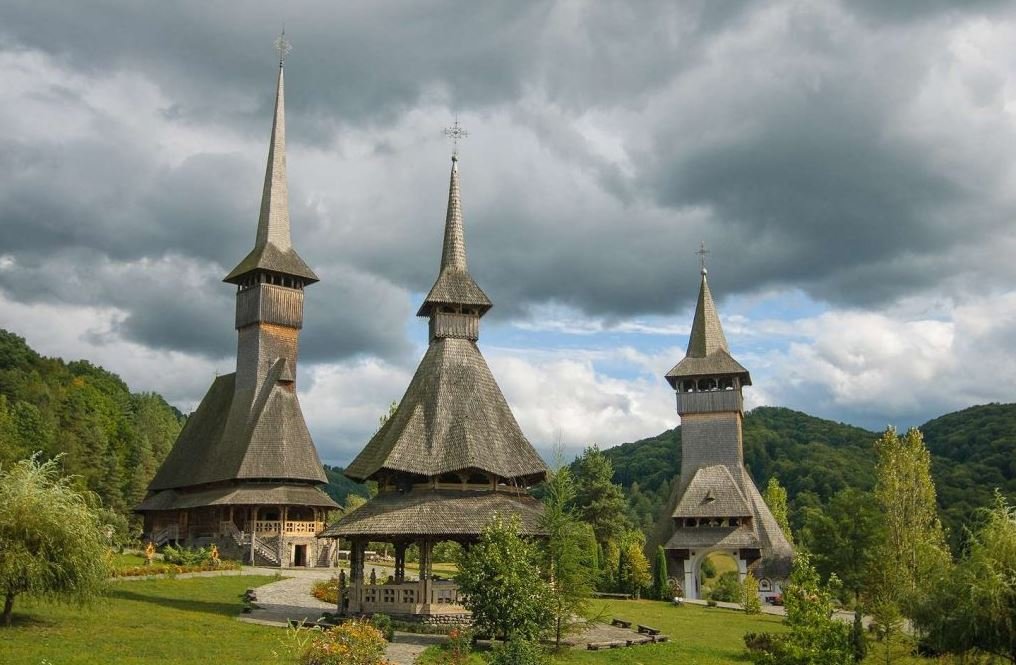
{"type": "Point", "coordinates": [727, 384]}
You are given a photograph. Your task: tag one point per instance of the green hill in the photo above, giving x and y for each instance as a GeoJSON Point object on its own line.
{"type": "Point", "coordinates": [111, 438]}
{"type": "Point", "coordinates": [973, 452]}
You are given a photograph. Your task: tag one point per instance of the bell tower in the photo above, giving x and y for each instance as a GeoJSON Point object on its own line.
{"type": "Point", "coordinates": [271, 278]}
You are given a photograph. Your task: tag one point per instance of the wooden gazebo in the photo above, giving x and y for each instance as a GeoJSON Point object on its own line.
{"type": "Point", "coordinates": [448, 459]}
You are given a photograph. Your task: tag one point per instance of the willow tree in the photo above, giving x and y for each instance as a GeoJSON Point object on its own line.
{"type": "Point", "coordinates": [52, 542]}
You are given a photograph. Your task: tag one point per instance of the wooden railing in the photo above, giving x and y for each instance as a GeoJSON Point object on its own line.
{"type": "Point", "coordinates": [406, 597]}
{"type": "Point", "coordinates": [293, 528]}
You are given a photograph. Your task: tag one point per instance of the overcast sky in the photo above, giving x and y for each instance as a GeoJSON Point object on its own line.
{"type": "Point", "coordinates": [851, 165]}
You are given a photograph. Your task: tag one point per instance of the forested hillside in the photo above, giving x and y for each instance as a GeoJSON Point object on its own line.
{"type": "Point", "coordinates": [111, 438]}
{"type": "Point", "coordinates": [974, 451]}
{"type": "Point", "coordinates": [114, 440]}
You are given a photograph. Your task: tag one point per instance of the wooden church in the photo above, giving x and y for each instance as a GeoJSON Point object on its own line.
{"type": "Point", "coordinates": [244, 473]}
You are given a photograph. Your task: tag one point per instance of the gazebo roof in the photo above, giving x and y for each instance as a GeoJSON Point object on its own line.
{"type": "Point", "coordinates": [448, 513]}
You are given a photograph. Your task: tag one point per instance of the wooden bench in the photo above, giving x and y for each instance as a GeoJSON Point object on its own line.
{"type": "Point", "coordinates": [640, 640]}
{"type": "Point", "coordinates": [620, 623]}
{"type": "Point", "coordinates": [619, 596]}
{"type": "Point", "coordinates": [660, 638]}
{"type": "Point", "coordinates": [610, 644]}
{"type": "Point", "coordinates": [649, 631]}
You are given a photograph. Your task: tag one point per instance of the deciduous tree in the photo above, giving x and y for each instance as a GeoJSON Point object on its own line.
{"type": "Point", "coordinates": [775, 497]}
{"type": "Point", "coordinates": [566, 554]}
{"type": "Point", "coordinates": [501, 581]}
{"type": "Point", "coordinates": [52, 543]}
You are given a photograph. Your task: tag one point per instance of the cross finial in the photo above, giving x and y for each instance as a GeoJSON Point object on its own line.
{"type": "Point", "coordinates": [455, 133]}
{"type": "Point", "coordinates": [283, 46]}
{"type": "Point", "coordinates": [702, 252]}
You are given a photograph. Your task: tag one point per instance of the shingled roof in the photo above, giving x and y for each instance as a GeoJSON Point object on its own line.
{"type": "Point", "coordinates": [227, 441]}
{"type": "Point", "coordinates": [273, 249]}
{"type": "Point", "coordinates": [712, 492]}
{"type": "Point", "coordinates": [453, 416]}
{"type": "Point", "coordinates": [252, 429]}
{"type": "Point", "coordinates": [708, 353]}
{"type": "Point", "coordinates": [239, 495]}
{"type": "Point", "coordinates": [454, 284]}
{"type": "Point", "coordinates": [437, 513]}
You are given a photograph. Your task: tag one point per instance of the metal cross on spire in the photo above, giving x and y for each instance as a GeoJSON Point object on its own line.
{"type": "Point", "coordinates": [283, 46]}
{"type": "Point", "coordinates": [455, 133]}
{"type": "Point", "coordinates": [702, 252]}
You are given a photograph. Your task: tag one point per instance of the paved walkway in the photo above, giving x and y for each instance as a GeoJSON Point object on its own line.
{"type": "Point", "coordinates": [290, 599]}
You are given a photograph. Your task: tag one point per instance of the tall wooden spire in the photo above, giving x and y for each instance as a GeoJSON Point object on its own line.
{"type": "Point", "coordinates": [273, 246]}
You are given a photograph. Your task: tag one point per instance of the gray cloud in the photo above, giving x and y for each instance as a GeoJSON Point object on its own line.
{"type": "Point", "coordinates": [609, 139]}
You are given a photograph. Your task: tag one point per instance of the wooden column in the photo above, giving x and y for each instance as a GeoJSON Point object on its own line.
{"type": "Point", "coordinates": [426, 585]}
{"type": "Point", "coordinates": [283, 548]}
{"type": "Point", "coordinates": [250, 527]}
{"type": "Point", "coordinates": [400, 562]}
{"type": "Point", "coordinates": [356, 556]}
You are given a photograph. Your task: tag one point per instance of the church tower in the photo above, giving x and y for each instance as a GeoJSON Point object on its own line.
{"type": "Point", "coordinates": [719, 509]}
{"type": "Point", "coordinates": [244, 472]}
{"type": "Point", "coordinates": [449, 459]}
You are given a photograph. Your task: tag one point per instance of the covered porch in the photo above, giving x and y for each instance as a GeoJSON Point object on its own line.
{"type": "Point", "coordinates": [422, 517]}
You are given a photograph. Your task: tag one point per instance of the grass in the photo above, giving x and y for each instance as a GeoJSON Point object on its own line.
{"type": "Point", "coordinates": [192, 621]}
{"type": "Point", "coordinates": [151, 621]}
{"type": "Point", "coordinates": [698, 636]}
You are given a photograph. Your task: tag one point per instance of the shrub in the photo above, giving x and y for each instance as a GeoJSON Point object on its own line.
{"type": "Point", "coordinates": [184, 556]}
{"type": "Point", "coordinates": [759, 642]}
{"type": "Point", "coordinates": [518, 652]}
{"type": "Point", "coordinates": [749, 595]}
{"type": "Point", "coordinates": [383, 622]}
{"type": "Point", "coordinates": [727, 589]}
{"type": "Point", "coordinates": [172, 569]}
{"type": "Point", "coordinates": [351, 643]}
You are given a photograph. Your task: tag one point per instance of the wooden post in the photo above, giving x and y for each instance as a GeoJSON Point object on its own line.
{"type": "Point", "coordinates": [253, 514]}
{"type": "Point", "coordinates": [283, 548]}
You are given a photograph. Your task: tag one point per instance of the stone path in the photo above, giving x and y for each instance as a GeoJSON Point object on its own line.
{"type": "Point", "coordinates": [289, 599]}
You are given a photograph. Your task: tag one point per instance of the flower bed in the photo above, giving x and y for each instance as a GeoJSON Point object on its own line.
{"type": "Point", "coordinates": [174, 569]}
{"type": "Point", "coordinates": [326, 590]}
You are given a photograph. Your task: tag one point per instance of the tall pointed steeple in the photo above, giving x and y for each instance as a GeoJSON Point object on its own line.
{"type": "Point", "coordinates": [718, 506]}
{"type": "Point", "coordinates": [708, 353]}
{"type": "Point", "coordinates": [706, 332]}
{"type": "Point", "coordinates": [453, 417]}
{"type": "Point", "coordinates": [244, 469]}
{"type": "Point", "coordinates": [454, 290]}
{"type": "Point", "coordinates": [273, 246]}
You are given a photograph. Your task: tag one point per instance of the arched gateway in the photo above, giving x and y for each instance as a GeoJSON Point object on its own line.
{"type": "Point", "coordinates": [718, 509]}
{"type": "Point", "coordinates": [448, 459]}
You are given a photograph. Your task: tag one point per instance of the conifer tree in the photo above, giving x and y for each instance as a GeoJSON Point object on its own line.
{"type": "Point", "coordinates": [661, 587]}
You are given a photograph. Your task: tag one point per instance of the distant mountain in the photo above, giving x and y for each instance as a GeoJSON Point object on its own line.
{"type": "Point", "coordinates": [973, 452]}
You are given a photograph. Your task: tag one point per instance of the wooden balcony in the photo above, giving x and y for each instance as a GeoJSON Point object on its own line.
{"type": "Point", "coordinates": [435, 597]}
{"type": "Point", "coordinates": [288, 528]}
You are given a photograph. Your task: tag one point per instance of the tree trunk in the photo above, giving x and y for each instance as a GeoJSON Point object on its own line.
{"type": "Point", "coordinates": [9, 608]}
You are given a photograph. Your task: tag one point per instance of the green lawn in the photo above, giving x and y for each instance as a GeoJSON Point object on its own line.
{"type": "Point", "coordinates": [698, 636]}
{"type": "Point", "coordinates": [156, 621]}
{"type": "Point", "coordinates": [192, 621]}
